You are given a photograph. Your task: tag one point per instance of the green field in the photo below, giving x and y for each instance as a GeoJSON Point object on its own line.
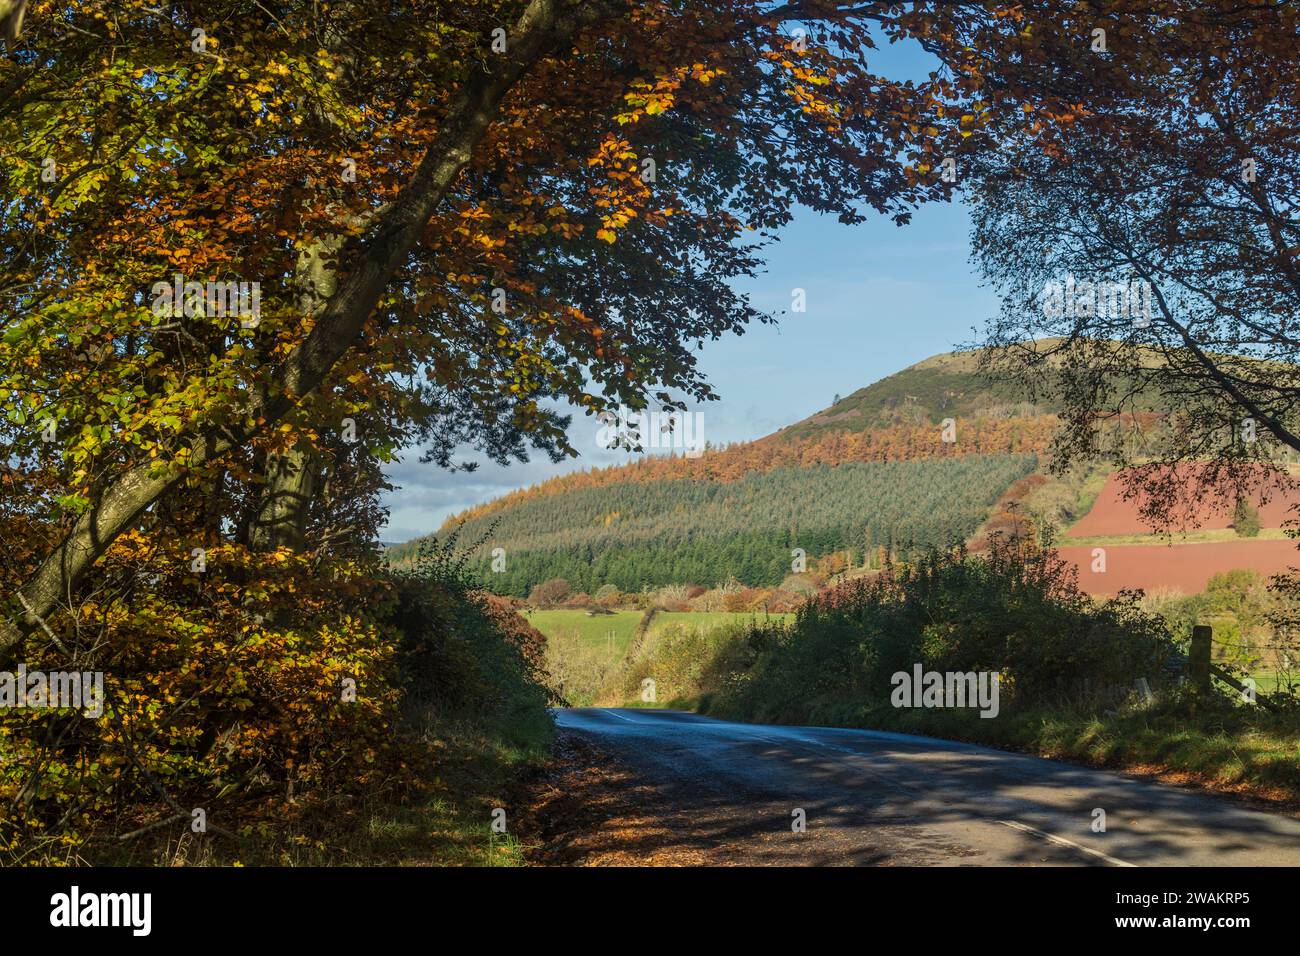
{"type": "Point", "coordinates": [591, 659]}
{"type": "Point", "coordinates": [705, 620]}
{"type": "Point", "coordinates": [608, 632]}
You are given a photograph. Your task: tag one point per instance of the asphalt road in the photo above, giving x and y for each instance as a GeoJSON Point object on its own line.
{"type": "Point", "coordinates": [873, 798]}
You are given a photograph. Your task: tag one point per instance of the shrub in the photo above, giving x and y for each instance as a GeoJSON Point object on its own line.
{"type": "Point", "coordinates": [608, 596]}
{"type": "Point", "coordinates": [672, 597]}
{"type": "Point", "coordinates": [276, 691]}
{"type": "Point", "coordinates": [1015, 611]}
{"type": "Point", "coordinates": [218, 695]}
{"type": "Point", "coordinates": [467, 657]}
{"type": "Point", "coordinates": [1245, 519]}
{"type": "Point", "coordinates": [549, 593]}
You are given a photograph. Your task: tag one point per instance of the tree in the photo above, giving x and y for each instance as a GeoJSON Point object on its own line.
{"type": "Point", "coordinates": [451, 213]}
{"type": "Point", "coordinates": [1137, 207]}
{"type": "Point", "coordinates": [1245, 519]}
{"type": "Point", "coordinates": [549, 593]}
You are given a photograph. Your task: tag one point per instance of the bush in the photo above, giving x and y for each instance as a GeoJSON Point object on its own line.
{"type": "Point", "coordinates": [276, 691]}
{"type": "Point", "coordinates": [672, 597]}
{"type": "Point", "coordinates": [1014, 612]}
{"type": "Point", "coordinates": [468, 657]}
{"type": "Point", "coordinates": [608, 596]}
{"type": "Point", "coordinates": [218, 695]}
{"type": "Point", "coordinates": [549, 593]}
{"type": "Point", "coordinates": [1245, 519]}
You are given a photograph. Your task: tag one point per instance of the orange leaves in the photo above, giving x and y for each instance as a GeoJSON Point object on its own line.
{"type": "Point", "coordinates": [702, 74]}
{"type": "Point", "coordinates": [625, 196]}
{"type": "Point", "coordinates": [651, 98]}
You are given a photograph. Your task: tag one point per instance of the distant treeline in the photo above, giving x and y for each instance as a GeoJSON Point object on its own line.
{"type": "Point", "coordinates": [637, 534]}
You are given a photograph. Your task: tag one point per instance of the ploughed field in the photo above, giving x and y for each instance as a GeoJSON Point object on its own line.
{"type": "Point", "coordinates": [1183, 567]}
{"type": "Point", "coordinates": [1154, 562]}
{"type": "Point", "coordinates": [1111, 514]}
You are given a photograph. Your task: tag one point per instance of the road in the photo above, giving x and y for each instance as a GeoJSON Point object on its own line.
{"type": "Point", "coordinates": [874, 798]}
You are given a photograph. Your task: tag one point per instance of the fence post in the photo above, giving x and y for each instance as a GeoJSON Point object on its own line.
{"type": "Point", "coordinates": [1199, 661]}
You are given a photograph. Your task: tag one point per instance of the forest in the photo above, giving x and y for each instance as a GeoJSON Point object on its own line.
{"type": "Point", "coordinates": [636, 535]}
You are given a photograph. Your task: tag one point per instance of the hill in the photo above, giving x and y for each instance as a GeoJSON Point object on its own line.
{"type": "Point", "coordinates": [874, 476]}
{"type": "Point", "coordinates": [869, 477]}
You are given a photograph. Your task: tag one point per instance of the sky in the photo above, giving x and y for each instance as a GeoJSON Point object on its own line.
{"type": "Point", "coordinates": [879, 297]}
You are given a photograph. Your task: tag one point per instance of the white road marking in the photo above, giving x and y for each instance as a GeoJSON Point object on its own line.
{"type": "Point", "coordinates": [1062, 841]}
{"type": "Point", "coordinates": [621, 717]}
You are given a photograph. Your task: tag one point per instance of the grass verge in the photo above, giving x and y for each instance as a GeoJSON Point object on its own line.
{"type": "Point", "coordinates": [1227, 748]}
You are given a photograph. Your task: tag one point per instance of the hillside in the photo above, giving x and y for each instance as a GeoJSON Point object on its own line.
{"type": "Point", "coordinates": [637, 535]}
{"type": "Point", "coordinates": [943, 386]}
{"type": "Point", "coordinates": [868, 478]}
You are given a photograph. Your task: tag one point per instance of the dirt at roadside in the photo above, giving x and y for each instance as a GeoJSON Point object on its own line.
{"type": "Point", "coordinates": [585, 808]}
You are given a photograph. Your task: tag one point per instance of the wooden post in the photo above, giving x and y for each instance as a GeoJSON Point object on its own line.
{"type": "Point", "coordinates": [1199, 663]}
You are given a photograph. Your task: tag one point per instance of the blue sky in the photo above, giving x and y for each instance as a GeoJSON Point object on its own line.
{"type": "Point", "coordinates": [879, 298]}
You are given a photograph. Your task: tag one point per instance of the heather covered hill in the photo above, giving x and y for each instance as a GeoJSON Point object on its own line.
{"type": "Point", "coordinates": [943, 386]}
{"type": "Point", "coordinates": [952, 385]}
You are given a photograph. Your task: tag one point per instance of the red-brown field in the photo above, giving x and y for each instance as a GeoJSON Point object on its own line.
{"type": "Point", "coordinates": [1111, 514]}
{"type": "Point", "coordinates": [1186, 567]}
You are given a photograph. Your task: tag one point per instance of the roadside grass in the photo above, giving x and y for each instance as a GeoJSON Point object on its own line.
{"type": "Point", "coordinates": [1227, 747]}
{"type": "Point", "coordinates": [588, 657]}
{"type": "Point", "coordinates": [708, 620]}
{"type": "Point", "coordinates": [1200, 536]}
{"type": "Point", "coordinates": [582, 651]}
{"type": "Point", "coordinates": [682, 653]}
{"type": "Point", "coordinates": [1223, 746]}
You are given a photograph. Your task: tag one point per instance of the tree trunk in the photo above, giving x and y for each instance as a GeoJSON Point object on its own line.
{"type": "Point", "coordinates": [281, 519]}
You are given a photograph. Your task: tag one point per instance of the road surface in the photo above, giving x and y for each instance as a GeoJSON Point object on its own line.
{"type": "Point", "coordinates": [873, 798]}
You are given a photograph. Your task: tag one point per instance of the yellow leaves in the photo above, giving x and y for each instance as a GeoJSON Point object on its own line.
{"type": "Point", "coordinates": [659, 104]}
{"type": "Point", "coordinates": [606, 234]}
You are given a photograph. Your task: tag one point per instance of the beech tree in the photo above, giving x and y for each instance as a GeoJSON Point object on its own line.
{"type": "Point", "coordinates": [445, 214]}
